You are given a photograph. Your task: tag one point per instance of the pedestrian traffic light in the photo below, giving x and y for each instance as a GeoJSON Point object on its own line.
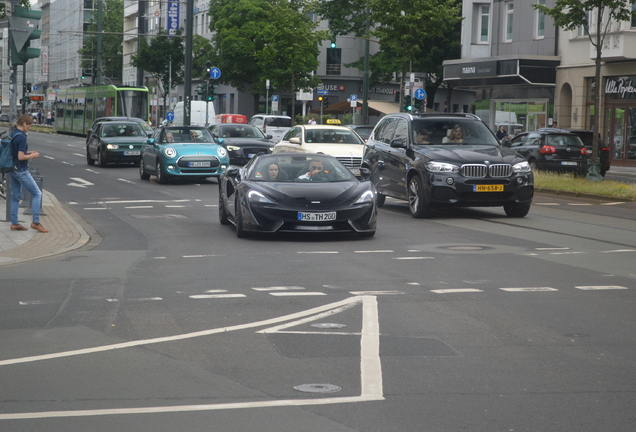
{"type": "Point", "coordinates": [325, 102]}
{"type": "Point", "coordinates": [407, 103]}
{"type": "Point", "coordinates": [22, 27]}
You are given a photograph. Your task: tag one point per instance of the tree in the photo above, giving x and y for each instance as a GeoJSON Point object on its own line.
{"type": "Point", "coordinates": [112, 39]}
{"type": "Point", "coordinates": [256, 40]}
{"type": "Point", "coordinates": [154, 57]}
{"type": "Point", "coordinates": [570, 14]}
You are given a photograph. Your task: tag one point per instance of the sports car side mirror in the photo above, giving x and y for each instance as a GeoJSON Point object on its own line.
{"type": "Point", "coordinates": [232, 171]}
{"type": "Point", "coordinates": [365, 174]}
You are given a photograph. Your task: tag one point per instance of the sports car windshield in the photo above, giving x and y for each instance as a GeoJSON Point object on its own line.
{"type": "Point", "coordinates": [432, 132]}
{"type": "Point", "coordinates": [302, 169]}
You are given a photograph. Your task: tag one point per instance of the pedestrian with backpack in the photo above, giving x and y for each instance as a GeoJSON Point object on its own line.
{"type": "Point", "coordinates": [22, 177]}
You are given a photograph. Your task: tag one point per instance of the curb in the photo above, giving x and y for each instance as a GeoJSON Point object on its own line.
{"type": "Point", "coordinates": [582, 195]}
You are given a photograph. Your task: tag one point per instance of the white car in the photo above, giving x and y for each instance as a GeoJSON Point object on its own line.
{"type": "Point", "coordinates": [338, 141]}
{"type": "Point", "coordinates": [274, 125]}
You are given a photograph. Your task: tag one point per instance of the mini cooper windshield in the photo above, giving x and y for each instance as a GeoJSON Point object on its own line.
{"type": "Point", "coordinates": [299, 169]}
{"type": "Point", "coordinates": [436, 132]}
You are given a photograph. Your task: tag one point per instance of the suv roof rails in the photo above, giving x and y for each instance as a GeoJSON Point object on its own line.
{"type": "Point", "coordinates": [467, 115]}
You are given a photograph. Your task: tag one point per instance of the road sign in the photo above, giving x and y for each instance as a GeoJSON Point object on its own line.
{"type": "Point", "coordinates": [170, 116]}
{"type": "Point", "coordinates": [35, 88]}
{"type": "Point", "coordinates": [353, 98]}
{"type": "Point", "coordinates": [420, 94]}
{"type": "Point", "coordinates": [323, 92]}
{"type": "Point", "coordinates": [215, 73]}
{"type": "Point", "coordinates": [275, 98]}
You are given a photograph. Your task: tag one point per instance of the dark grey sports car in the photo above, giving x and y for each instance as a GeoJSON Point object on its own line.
{"type": "Point", "coordinates": [242, 141]}
{"type": "Point", "coordinates": [291, 192]}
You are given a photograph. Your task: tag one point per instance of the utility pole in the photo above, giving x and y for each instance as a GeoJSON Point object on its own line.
{"type": "Point", "coordinates": [187, 85]}
{"type": "Point", "coordinates": [141, 7]}
{"type": "Point", "coordinates": [365, 76]}
{"type": "Point", "coordinates": [97, 73]}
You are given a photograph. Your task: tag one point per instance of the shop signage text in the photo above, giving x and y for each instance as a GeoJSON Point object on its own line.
{"type": "Point", "coordinates": [620, 86]}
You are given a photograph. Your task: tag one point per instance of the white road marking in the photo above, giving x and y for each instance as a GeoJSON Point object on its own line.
{"type": "Point", "coordinates": [528, 289]}
{"type": "Point", "coordinates": [370, 366]}
{"type": "Point", "coordinates": [77, 154]}
{"type": "Point", "coordinates": [552, 248]}
{"type": "Point", "coordinates": [80, 182]}
{"type": "Point", "coordinates": [138, 207]}
{"type": "Point", "coordinates": [96, 208]}
{"type": "Point", "coordinates": [291, 294]}
{"type": "Point", "coordinates": [613, 203]}
{"type": "Point", "coordinates": [201, 256]}
{"type": "Point", "coordinates": [216, 291]}
{"type": "Point", "coordinates": [374, 251]}
{"type": "Point", "coordinates": [126, 181]}
{"type": "Point", "coordinates": [160, 257]}
{"type": "Point", "coordinates": [68, 163]}
{"type": "Point", "coordinates": [566, 253]}
{"type": "Point", "coordinates": [278, 288]}
{"type": "Point", "coordinates": [456, 290]}
{"type": "Point", "coordinates": [92, 171]}
{"type": "Point", "coordinates": [210, 296]}
{"type": "Point", "coordinates": [580, 204]}
{"type": "Point", "coordinates": [601, 287]}
{"type": "Point", "coordinates": [33, 302]}
{"type": "Point", "coordinates": [547, 204]}
{"type": "Point", "coordinates": [375, 292]}
{"type": "Point", "coordinates": [412, 258]}
{"type": "Point", "coordinates": [318, 252]}
{"type": "Point", "coordinates": [619, 250]}
{"type": "Point", "coordinates": [174, 206]}
{"type": "Point", "coordinates": [413, 283]}
{"type": "Point", "coordinates": [145, 299]}
{"type": "Point", "coordinates": [49, 157]}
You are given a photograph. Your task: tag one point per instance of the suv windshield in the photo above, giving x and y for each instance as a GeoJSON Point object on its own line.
{"type": "Point", "coordinates": [448, 132]}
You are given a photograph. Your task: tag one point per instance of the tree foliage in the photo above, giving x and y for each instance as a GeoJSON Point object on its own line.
{"type": "Point", "coordinates": [154, 55]}
{"type": "Point", "coordinates": [256, 40]}
{"type": "Point", "coordinates": [112, 39]}
{"type": "Point", "coordinates": [571, 14]}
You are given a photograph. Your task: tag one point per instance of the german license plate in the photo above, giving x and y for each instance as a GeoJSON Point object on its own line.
{"type": "Point", "coordinates": [355, 171]}
{"type": "Point", "coordinates": [250, 155]}
{"type": "Point", "coordinates": [132, 153]}
{"type": "Point", "coordinates": [316, 217]}
{"type": "Point", "coordinates": [199, 164]}
{"type": "Point", "coordinates": [488, 188]}
{"type": "Point", "coordinates": [568, 163]}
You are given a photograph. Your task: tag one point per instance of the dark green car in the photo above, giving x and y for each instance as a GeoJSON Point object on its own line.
{"type": "Point", "coordinates": [115, 142]}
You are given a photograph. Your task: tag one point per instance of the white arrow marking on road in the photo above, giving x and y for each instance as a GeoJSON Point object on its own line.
{"type": "Point", "coordinates": [80, 182]}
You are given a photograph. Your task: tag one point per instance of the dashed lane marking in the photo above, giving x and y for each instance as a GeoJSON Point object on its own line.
{"type": "Point", "coordinates": [456, 290]}
{"type": "Point", "coordinates": [297, 293]}
{"type": "Point", "coordinates": [216, 296]}
{"type": "Point", "coordinates": [619, 251]}
{"type": "Point", "coordinates": [528, 289]}
{"type": "Point", "coordinates": [278, 288]}
{"type": "Point", "coordinates": [601, 287]}
{"type": "Point", "coordinates": [412, 258]}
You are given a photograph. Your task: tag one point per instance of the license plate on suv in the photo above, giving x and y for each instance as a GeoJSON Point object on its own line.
{"type": "Point", "coordinates": [488, 188]}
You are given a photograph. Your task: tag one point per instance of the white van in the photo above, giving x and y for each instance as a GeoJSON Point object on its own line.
{"type": "Point", "coordinates": [197, 113]}
{"type": "Point", "coordinates": [274, 125]}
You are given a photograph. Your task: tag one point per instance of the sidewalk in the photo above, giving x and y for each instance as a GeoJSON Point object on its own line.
{"type": "Point", "coordinates": [65, 234]}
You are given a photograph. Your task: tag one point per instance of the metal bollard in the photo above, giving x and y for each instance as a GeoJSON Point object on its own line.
{"type": "Point", "coordinates": [26, 195]}
{"type": "Point", "coordinates": [7, 197]}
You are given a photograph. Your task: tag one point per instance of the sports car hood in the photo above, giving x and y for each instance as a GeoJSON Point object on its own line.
{"type": "Point", "coordinates": [471, 154]}
{"type": "Point", "coordinates": [307, 193]}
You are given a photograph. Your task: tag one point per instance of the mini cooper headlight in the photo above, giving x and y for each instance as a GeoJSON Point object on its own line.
{"type": "Point", "coordinates": [222, 152]}
{"type": "Point", "coordinates": [233, 148]}
{"type": "Point", "coordinates": [366, 197]}
{"type": "Point", "coordinates": [257, 197]}
{"type": "Point", "coordinates": [170, 152]}
{"type": "Point", "coordinates": [442, 167]}
{"type": "Point", "coordinates": [522, 167]}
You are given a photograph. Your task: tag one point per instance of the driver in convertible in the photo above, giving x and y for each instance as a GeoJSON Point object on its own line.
{"type": "Point", "coordinates": [315, 168]}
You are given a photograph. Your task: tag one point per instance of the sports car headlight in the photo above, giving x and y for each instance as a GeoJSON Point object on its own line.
{"type": "Point", "coordinates": [441, 167]}
{"type": "Point", "coordinates": [233, 148]}
{"type": "Point", "coordinates": [522, 167]}
{"type": "Point", "coordinates": [366, 197]}
{"type": "Point", "coordinates": [257, 197]}
{"type": "Point", "coordinates": [170, 152]}
{"type": "Point", "coordinates": [222, 152]}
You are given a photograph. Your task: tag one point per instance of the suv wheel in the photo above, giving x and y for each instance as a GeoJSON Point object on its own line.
{"type": "Point", "coordinates": [419, 198]}
{"type": "Point", "coordinates": [516, 209]}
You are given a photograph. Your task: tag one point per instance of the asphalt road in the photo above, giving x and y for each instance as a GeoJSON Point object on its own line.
{"type": "Point", "coordinates": [466, 321]}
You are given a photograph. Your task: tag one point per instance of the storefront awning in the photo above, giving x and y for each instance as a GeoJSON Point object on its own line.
{"type": "Point", "coordinates": [502, 71]}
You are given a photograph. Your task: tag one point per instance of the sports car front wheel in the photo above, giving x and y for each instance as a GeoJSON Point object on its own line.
{"type": "Point", "coordinates": [222, 212]}
{"type": "Point", "coordinates": [240, 231]}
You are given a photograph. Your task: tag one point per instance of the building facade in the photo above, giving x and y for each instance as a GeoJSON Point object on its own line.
{"type": "Point", "coordinates": [509, 58]}
{"type": "Point", "coordinates": [574, 104]}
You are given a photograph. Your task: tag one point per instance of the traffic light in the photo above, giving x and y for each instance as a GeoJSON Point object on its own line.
{"type": "Point", "coordinates": [28, 87]}
{"type": "Point", "coordinates": [320, 99]}
{"type": "Point", "coordinates": [407, 103]}
{"type": "Point", "coordinates": [201, 90]}
{"type": "Point", "coordinates": [333, 42]}
{"type": "Point", "coordinates": [212, 93]}
{"type": "Point", "coordinates": [325, 102]}
{"type": "Point", "coordinates": [22, 26]}
{"type": "Point", "coordinates": [208, 66]}
{"type": "Point", "coordinates": [418, 104]}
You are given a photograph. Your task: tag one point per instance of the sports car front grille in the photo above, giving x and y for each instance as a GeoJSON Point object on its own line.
{"type": "Point", "coordinates": [350, 161]}
{"type": "Point", "coordinates": [183, 160]}
{"type": "Point", "coordinates": [481, 171]}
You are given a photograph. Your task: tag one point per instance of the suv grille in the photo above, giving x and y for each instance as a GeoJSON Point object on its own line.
{"type": "Point", "coordinates": [481, 171]}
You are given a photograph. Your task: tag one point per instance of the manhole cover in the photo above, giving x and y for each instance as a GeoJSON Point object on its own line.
{"type": "Point", "coordinates": [318, 388]}
{"type": "Point", "coordinates": [328, 325]}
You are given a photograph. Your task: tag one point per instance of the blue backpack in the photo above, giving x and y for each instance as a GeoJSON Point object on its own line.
{"type": "Point", "coordinates": [7, 163]}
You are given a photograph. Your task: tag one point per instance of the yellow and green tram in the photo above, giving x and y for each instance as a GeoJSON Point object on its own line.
{"type": "Point", "coordinates": [76, 108]}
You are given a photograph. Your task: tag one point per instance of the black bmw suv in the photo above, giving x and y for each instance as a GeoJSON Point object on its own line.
{"type": "Point", "coordinates": [434, 160]}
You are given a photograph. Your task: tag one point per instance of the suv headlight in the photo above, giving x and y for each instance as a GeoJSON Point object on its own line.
{"type": "Point", "coordinates": [522, 167]}
{"type": "Point", "coordinates": [170, 152]}
{"type": "Point", "coordinates": [221, 152]}
{"type": "Point", "coordinates": [441, 167]}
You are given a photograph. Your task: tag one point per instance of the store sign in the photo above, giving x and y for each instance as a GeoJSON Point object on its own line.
{"type": "Point", "coordinates": [479, 69]}
{"type": "Point", "coordinates": [621, 86]}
